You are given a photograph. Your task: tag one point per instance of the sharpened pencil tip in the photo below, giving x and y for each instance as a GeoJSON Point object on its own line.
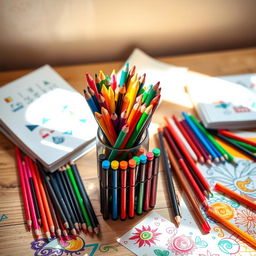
{"type": "Point", "coordinates": [177, 219]}
{"type": "Point", "coordinates": [90, 229]}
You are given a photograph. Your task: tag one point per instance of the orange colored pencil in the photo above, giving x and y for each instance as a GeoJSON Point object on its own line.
{"type": "Point", "coordinates": [232, 227]}
{"type": "Point", "coordinates": [220, 188]}
{"type": "Point", "coordinates": [103, 127]}
{"type": "Point", "coordinates": [112, 99]}
{"type": "Point", "coordinates": [126, 101]}
{"type": "Point", "coordinates": [104, 92]}
{"type": "Point", "coordinates": [109, 124]}
{"type": "Point", "coordinates": [39, 200]}
{"type": "Point", "coordinates": [44, 200]}
{"type": "Point", "coordinates": [135, 110]}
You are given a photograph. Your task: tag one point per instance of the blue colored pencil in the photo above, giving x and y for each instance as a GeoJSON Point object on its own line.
{"type": "Point", "coordinates": [90, 102]}
{"type": "Point", "coordinates": [200, 136]}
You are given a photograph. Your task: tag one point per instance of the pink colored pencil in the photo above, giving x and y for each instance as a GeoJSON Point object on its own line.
{"type": "Point", "coordinates": [30, 201]}
{"type": "Point", "coordinates": [23, 188]}
{"type": "Point", "coordinates": [196, 141]}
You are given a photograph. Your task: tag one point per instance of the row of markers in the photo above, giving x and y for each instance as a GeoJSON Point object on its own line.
{"type": "Point", "coordinates": [58, 202]}
{"type": "Point", "coordinates": [128, 187]}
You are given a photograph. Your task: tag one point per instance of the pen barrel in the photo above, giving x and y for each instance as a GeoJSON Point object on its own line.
{"type": "Point", "coordinates": [105, 193]}
{"type": "Point", "coordinates": [152, 201]}
{"type": "Point", "coordinates": [123, 194]}
{"type": "Point", "coordinates": [114, 195]}
{"type": "Point", "coordinates": [149, 168]}
{"type": "Point", "coordinates": [141, 189]}
{"type": "Point", "coordinates": [132, 192]}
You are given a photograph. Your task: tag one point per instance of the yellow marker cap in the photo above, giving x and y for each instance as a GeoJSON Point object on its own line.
{"type": "Point", "coordinates": [114, 165]}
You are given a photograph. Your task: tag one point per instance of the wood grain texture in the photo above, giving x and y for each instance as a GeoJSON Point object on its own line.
{"type": "Point", "coordinates": [14, 239]}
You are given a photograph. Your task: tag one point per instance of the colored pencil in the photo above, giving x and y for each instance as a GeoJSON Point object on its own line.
{"type": "Point", "coordinates": [194, 205]}
{"type": "Point", "coordinates": [209, 136]}
{"type": "Point", "coordinates": [236, 146]}
{"type": "Point", "coordinates": [169, 178]}
{"type": "Point", "coordinates": [207, 158]}
{"type": "Point", "coordinates": [132, 179]}
{"type": "Point", "coordinates": [233, 228]}
{"type": "Point", "coordinates": [105, 182]}
{"type": "Point", "coordinates": [85, 197]}
{"type": "Point", "coordinates": [92, 84]}
{"type": "Point", "coordinates": [189, 140]}
{"type": "Point", "coordinates": [187, 173]}
{"type": "Point", "coordinates": [32, 189]}
{"type": "Point", "coordinates": [186, 155]}
{"type": "Point", "coordinates": [245, 145]}
{"type": "Point", "coordinates": [79, 198]}
{"type": "Point", "coordinates": [30, 201]}
{"type": "Point", "coordinates": [183, 140]}
{"type": "Point", "coordinates": [201, 137]}
{"type": "Point", "coordinates": [236, 137]}
{"type": "Point", "coordinates": [220, 188]}
{"type": "Point", "coordinates": [152, 201]}
{"type": "Point", "coordinates": [142, 173]}
{"type": "Point", "coordinates": [123, 78]}
{"type": "Point", "coordinates": [23, 188]}
{"type": "Point", "coordinates": [40, 201]}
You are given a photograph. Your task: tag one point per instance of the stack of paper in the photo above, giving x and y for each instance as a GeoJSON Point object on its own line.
{"type": "Point", "coordinates": [44, 116]}
{"type": "Point", "coordinates": [222, 104]}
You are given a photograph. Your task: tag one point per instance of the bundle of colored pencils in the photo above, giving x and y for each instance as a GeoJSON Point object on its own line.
{"type": "Point", "coordinates": [123, 111]}
{"type": "Point", "coordinates": [56, 201]}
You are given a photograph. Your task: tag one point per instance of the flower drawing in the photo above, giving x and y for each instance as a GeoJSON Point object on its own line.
{"type": "Point", "coordinates": [240, 178]}
{"type": "Point", "coordinates": [246, 218]}
{"type": "Point", "coordinates": [145, 236]}
{"type": "Point", "coordinates": [208, 254]}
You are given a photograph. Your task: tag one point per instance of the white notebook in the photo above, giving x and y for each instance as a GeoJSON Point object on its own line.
{"type": "Point", "coordinates": [221, 104]}
{"type": "Point", "coordinates": [46, 117]}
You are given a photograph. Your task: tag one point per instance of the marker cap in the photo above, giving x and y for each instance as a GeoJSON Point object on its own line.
{"type": "Point", "coordinates": [150, 156]}
{"type": "Point", "coordinates": [105, 164]}
{"type": "Point", "coordinates": [143, 159]}
{"type": "Point", "coordinates": [114, 165]}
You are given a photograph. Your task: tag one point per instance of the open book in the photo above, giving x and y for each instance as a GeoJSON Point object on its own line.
{"type": "Point", "coordinates": [44, 116]}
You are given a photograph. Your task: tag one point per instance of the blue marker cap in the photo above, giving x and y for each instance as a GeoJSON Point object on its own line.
{"type": "Point", "coordinates": [105, 164]}
{"type": "Point", "coordinates": [143, 159]}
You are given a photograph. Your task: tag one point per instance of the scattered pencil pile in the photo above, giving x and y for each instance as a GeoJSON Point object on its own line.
{"type": "Point", "coordinates": [56, 201]}
{"type": "Point", "coordinates": [179, 141]}
{"type": "Point", "coordinates": [128, 187]}
{"type": "Point", "coordinates": [123, 111]}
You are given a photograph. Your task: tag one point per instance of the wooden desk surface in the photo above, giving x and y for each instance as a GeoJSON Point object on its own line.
{"type": "Point", "coordinates": [14, 239]}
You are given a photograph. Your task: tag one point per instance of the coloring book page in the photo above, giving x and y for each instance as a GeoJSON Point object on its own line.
{"type": "Point", "coordinates": [156, 236]}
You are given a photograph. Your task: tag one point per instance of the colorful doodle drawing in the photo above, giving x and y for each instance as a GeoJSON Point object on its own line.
{"type": "Point", "coordinates": [181, 245]}
{"type": "Point", "coordinates": [106, 248]}
{"type": "Point", "coordinates": [200, 243]}
{"type": "Point", "coordinates": [161, 252]}
{"type": "Point", "coordinates": [145, 236]}
{"type": "Point", "coordinates": [68, 248]}
{"type": "Point", "coordinates": [247, 219]}
{"type": "Point", "coordinates": [224, 210]}
{"type": "Point", "coordinates": [240, 178]}
{"type": "Point", "coordinates": [31, 127]}
{"type": "Point", "coordinates": [3, 217]}
{"type": "Point", "coordinates": [229, 246]}
{"type": "Point", "coordinates": [219, 231]}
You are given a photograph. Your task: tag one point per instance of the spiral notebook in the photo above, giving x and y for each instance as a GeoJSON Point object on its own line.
{"type": "Point", "coordinates": [47, 118]}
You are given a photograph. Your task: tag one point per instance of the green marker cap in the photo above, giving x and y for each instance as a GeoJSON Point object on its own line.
{"type": "Point", "coordinates": [156, 152]}
{"type": "Point", "coordinates": [137, 159]}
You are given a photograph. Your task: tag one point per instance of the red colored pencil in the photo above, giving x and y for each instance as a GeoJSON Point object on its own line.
{"type": "Point", "coordinates": [236, 137]}
{"type": "Point", "coordinates": [198, 144]}
{"type": "Point", "coordinates": [187, 155]}
{"type": "Point", "coordinates": [189, 140]}
{"type": "Point", "coordinates": [184, 167]}
{"type": "Point", "coordinates": [39, 200]}
{"type": "Point", "coordinates": [30, 201]}
{"type": "Point", "coordinates": [132, 165]}
{"type": "Point", "coordinates": [23, 188]}
{"type": "Point", "coordinates": [92, 84]}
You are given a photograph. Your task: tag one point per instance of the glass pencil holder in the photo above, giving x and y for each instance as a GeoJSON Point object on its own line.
{"type": "Point", "coordinates": [120, 196]}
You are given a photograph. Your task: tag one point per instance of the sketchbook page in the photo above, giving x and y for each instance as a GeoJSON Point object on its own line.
{"type": "Point", "coordinates": [221, 101]}
{"type": "Point", "coordinates": [156, 235]}
{"type": "Point", "coordinates": [172, 78]}
{"type": "Point", "coordinates": [47, 115]}
{"type": "Point", "coordinates": [246, 80]}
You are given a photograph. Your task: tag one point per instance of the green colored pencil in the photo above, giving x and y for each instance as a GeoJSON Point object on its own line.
{"type": "Point", "coordinates": [79, 198]}
{"type": "Point", "coordinates": [124, 131]}
{"type": "Point", "coordinates": [139, 127]}
{"type": "Point", "coordinates": [245, 145]}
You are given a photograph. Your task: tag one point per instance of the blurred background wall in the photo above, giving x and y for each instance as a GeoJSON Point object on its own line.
{"type": "Point", "coordinates": [63, 32]}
